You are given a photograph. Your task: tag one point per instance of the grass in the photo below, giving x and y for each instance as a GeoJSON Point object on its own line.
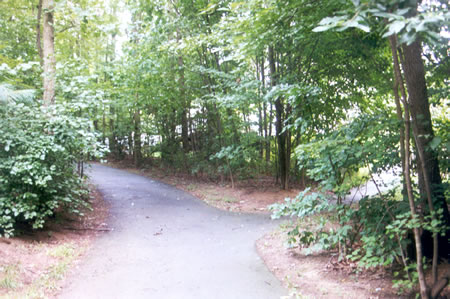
{"type": "Point", "coordinates": [227, 199]}
{"type": "Point", "coordinates": [213, 196]}
{"type": "Point", "coordinates": [191, 187]}
{"type": "Point", "coordinates": [10, 277]}
{"type": "Point", "coordinates": [46, 283]}
{"type": "Point", "coordinates": [63, 251]}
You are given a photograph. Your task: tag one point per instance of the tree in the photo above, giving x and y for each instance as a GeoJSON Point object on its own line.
{"type": "Point", "coordinates": [49, 53]}
{"type": "Point", "coordinates": [403, 19]}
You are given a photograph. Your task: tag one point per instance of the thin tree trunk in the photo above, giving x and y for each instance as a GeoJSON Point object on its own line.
{"type": "Point", "coordinates": [398, 85]}
{"type": "Point", "coordinates": [288, 142]}
{"type": "Point", "coordinates": [112, 135]}
{"type": "Point", "coordinates": [192, 134]}
{"type": "Point", "coordinates": [184, 104]}
{"type": "Point", "coordinates": [49, 53]}
{"type": "Point", "coordinates": [425, 172]}
{"type": "Point", "coordinates": [266, 133]}
{"type": "Point", "coordinates": [260, 114]}
{"type": "Point", "coordinates": [428, 166]}
{"type": "Point", "coordinates": [261, 134]}
{"type": "Point", "coordinates": [270, 125]}
{"type": "Point", "coordinates": [38, 33]}
{"type": "Point", "coordinates": [281, 136]}
{"type": "Point", "coordinates": [137, 151]}
{"type": "Point", "coordinates": [407, 176]}
{"type": "Point", "coordinates": [104, 127]}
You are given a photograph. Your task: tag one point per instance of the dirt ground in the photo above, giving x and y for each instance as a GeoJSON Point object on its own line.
{"type": "Point", "coordinates": [319, 275]}
{"type": "Point", "coordinates": [34, 264]}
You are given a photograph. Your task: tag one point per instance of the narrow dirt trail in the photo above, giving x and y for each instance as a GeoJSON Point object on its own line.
{"type": "Point", "coordinates": [166, 244]}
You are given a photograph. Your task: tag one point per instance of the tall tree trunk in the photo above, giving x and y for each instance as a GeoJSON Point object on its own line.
{"type": "Point", "coordinates": [260, 114]}
{"type": "Point", "coordinates": [412, 206]}
{"type": "Point", "coordinates": [399, 85]}
{"type": "Point", "coordinates": [405, 155]}
{"type": "Point", "coordinates": [38, 33]}
{"type": "Point", "coordinates": [49, 53]}
{"type": "Point", "coordinates": [193, 135]}
{"type": "Point", "coordinates": [213, 114]}
{"type": "Point", "coordinates": [281, 136]}
{"type": "Point", "coordinates": [287, 158]}
{"type": "Point", "coordinates": [260, 131]}
{"type": "Point", "coordinates": [137, 151]}
{"type": "Point", "coordinates": [112, 129]}
{"type": "Point", "coordinates": [266, 120]}
{"type": "Point", "coordinates": [184, 103]}
{"type": "Point", "coordinates": [430, 183]}
{"type": "Point", "coordinates": [103, 126]}
{"type": "Point", "coordinates": [270, 125]}
{"type": "Point", "coordinates": [428, 167]}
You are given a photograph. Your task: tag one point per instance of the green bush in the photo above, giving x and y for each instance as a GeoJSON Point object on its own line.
{"type": "Point", "coordinates": [38, 154]}
{"type": "Point", "coordinates": [365, 230]}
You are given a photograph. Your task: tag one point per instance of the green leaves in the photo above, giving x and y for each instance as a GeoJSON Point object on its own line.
{"type": "Point", "coordinates": [306, 203]}
{"type": "Point", "coordinates": [395, 28]}
{"type": "Point", "coordinates": [342, 23]}
{"type": "Point", "coordinates": [9, 94]}
{"type": "Point", "coordinates": [333, 159]}
{"type": "Point", "coordinates": [37, 154]}
{"type": "Point", "coordinates": [369, 16]}
{"type": "Point", "coordinates": [435, 142]}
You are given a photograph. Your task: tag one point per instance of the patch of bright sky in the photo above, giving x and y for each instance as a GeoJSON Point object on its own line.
{"type": "Point", "coordinates": [427, 4]}
{"type": "Point", "coordinates": [124, 19]}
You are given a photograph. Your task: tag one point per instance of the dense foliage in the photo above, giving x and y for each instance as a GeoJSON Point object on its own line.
{"type": "Point", "coordinates": [39, 151]}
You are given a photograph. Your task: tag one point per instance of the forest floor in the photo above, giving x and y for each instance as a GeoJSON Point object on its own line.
{"type": "Point", "coordinates": [299, 272]}
{"type": "Point", "coordinates": [34, 264]}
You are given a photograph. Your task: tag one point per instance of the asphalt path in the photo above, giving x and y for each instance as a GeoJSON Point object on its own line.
{"type": "Point", "coordinates": [382, 182]}
{"type": "Point", "coordinates": [166, 244]}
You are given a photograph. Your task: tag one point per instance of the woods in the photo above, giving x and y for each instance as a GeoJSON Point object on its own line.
{"type": "Point", "coordinates": [311, 93]}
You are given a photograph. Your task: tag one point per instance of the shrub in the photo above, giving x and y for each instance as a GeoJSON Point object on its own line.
{"type": "Point", "coordinates": [38, 154]}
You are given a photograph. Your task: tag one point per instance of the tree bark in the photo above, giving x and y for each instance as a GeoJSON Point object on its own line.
{"type": "Point", "coordinates": [184, 104]}
{"type": "Point", "coordinates": [137, 151]}
{"type": "Point", "coordinates": [398, 85]}
{"type": "Point", "coordinates": [281, 135]}
{"type": "Point", "coordinates": [260, 114]}
{"type": "Point", "coordinates": [48, 53]}
{"type": "Point", "coordinates": [428, 167]}
{"type": "Point", "coordinates": [38, 33]}
{"type": "Point", "coordinates": [266, 121]}
{"type": "Point", "coordinates": [407, 175]}
{"type": "Point", "coordinates": [112, 129]}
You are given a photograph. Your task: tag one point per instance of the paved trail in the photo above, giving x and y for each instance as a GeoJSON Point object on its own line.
{"type": "Point", "coordinates": [168, 245]}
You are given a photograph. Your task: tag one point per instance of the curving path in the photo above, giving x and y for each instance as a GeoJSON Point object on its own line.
{"type": "Point", "coordinates": [167, 244]}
